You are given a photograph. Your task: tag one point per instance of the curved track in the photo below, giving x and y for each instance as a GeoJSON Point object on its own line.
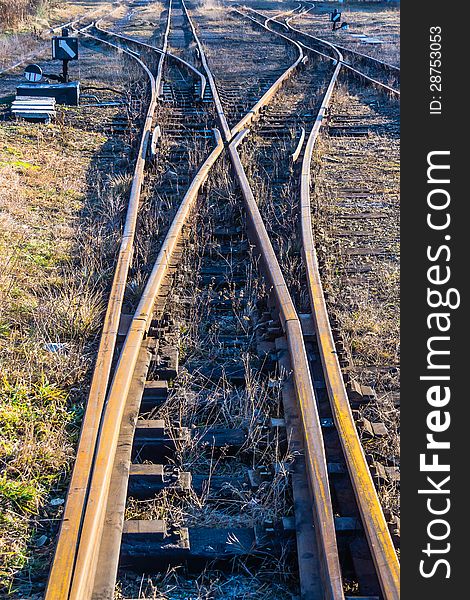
{"type": "Point", "coordinates": [367, 68]}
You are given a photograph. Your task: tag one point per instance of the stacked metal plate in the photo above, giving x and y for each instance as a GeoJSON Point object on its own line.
{"type": "Point", "coordinates": [34, 108]}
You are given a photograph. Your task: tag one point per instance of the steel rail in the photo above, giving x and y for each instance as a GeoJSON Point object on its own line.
{"type": "Point", "coordinates": [283, 14]}
{"type": "Point", "coordinates": [341, 49]}
{"type": "Point", "coordinates": [81, 583]}
{"type": "Point", "coordinates": [263, 101]}
{"type": "Point", "coordinates": [343, 62]}
{"type": "Point", "coordinates": [373, 520]}
{"type": "Point", "coordinates": [270, 93]}
{"type": "Point", "coordinates": [378, 535]}
{"type": "Point", "coordinates": [344, 49]}
{"type": "Point", "coordinates": [273, 19]}
{"type": "Point", "coordinates": [382, 63]}
{"type": "Point", "coordinates": [75, 21]}
{"type": "Point", "coordinates": [315, 457]}
{"type": "Point", "coordinates": [335, 48]}
{"type": "Point", "coordinates": [109, 432]}
{"type": "Point", "coordinates": [111, 420]}
{"type": "Point", "coordinates": [375, 526]}
{"type": "Point", "coordinates": [61, 573]}
{"type": "Point", "coordinates": [188, 65]}
{"type": "Point", "coordinates": [215, 93]}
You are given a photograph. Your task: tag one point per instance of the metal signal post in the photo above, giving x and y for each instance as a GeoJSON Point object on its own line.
{"type": "Point", "coordinates": [65, 48]}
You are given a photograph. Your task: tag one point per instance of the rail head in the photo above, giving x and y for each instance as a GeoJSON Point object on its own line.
{"type": "Point", "coordinates": [315, 452]}
{"type": "Point", "coordinates": [62, 569]}
{"type": "Point", "coordinates": [85, 566]}
{"type": "Point", "coordinates": [375, 526]}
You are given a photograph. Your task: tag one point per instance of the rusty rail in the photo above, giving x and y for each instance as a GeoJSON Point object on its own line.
{"type": "Point", "coordinates": [378, 535]}
{"type": "Point", "coordinates": [341, 49]}
{"type": "Point", "coordinates": [61, 574]}
{"type": "Point", "coordinates": [373, 520]}
{"type": "Point", "coordinates": [188, 65]}
{"type": "Point", "coordinates": [315, 457]}
{"type": "Point", "coordinates": [109, 432]}
{"type": "Point", "coordinates": [98, 481]}
{"type": "Point", "coordinates": [280, 81]}
{"type": "Point", "coordinates": [375, 526]}
{"type": "Point", "coordinates": [74, 565]}
{"type": "Point", "coordinates": [344, 49]}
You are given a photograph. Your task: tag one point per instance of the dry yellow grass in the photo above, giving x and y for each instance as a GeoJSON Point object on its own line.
{"type": "Point", "coordinates": [53, 277]}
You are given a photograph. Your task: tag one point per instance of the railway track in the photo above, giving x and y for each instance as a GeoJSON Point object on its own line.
{"type": "Point", "coordinates": [268, 123]}
{"type": "Point", "coordinates": [380, 71]}
{"type": "Point", "coordinates": [216, 409]}
{"type": "Point", "coordinates": [366, 68]}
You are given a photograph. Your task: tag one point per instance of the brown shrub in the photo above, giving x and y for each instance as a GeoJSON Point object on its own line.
{"type": "Point", "coordinates": [15, 12]}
